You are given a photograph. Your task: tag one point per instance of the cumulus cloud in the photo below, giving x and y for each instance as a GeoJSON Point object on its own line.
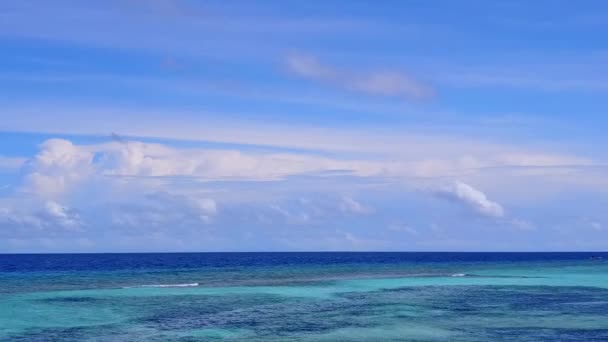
{"type": "Point", "coordinates": [472, 198]}
{"type": "Point", "coordinates": [383, 83]}
{"type": "Point", "coordinates": [128, 188]}
{"type": "Point", "coordinates": [63, 216]}
{"type": "Point", "coordinates": [58, 166]}
{"type": "Point", "coordinates": [61, 167]}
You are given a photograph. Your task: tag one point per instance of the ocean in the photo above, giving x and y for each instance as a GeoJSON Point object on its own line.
{"type": "Point", "coordinates": [304, 297]}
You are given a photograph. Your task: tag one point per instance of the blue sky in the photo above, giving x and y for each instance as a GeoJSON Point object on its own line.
{"type": "Point", "coordinates": [175, 125]}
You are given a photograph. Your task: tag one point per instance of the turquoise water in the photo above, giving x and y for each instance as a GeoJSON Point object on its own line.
{"type": "Point", "coordinates": [304, 297]}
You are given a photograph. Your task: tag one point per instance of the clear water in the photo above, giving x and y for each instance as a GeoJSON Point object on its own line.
{"type": "Point", "coordinates": [304, 297]}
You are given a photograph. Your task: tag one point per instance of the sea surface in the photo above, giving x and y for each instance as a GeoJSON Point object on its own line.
{"type": "Point", "coordinates": [304, 297]}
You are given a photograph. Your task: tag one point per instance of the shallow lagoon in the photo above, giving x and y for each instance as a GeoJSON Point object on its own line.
{"type": "Point", "coordinates": [304, 297]}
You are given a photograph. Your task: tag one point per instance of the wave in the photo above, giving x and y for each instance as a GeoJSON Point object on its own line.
{"type": "Point", "coordinates": [460, 275]}
{"type": "Point", "coordinates": [168, 285]}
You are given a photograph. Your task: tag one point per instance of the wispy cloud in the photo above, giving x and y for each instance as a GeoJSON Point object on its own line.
{"type": "Point", "coordinates": [472, 198]}
{"type": "Point", "coordinates": [205, 125]}
{"type": "Point", "coordinates": [350, 205]}
{"type": "Point", "coordinates": [375, 82]}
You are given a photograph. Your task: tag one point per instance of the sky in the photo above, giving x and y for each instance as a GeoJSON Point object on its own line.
{"type": "Point", "coordinates": [183, 125]}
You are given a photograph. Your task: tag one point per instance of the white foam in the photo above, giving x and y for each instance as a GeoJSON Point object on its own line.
{"type": "Point", "coordinates": [459, 275]}
{"type": "Point", "coordinates": [170, 285]}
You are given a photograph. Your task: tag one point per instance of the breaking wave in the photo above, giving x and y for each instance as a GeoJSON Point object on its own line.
{"type": "Point", "coordinates": [168, 285]}
{"type": "Point", "coordinates": [460, 275]}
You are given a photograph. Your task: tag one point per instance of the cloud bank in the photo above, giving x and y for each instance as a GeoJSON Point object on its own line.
{"type": "Point", "coordinates": [153, 195]}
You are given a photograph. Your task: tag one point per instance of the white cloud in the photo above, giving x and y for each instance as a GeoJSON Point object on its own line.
{"type": "Point", "coordinates": [349, 205]}
{"type": "Point", "coordinates": [132, 169]}
{"type": "Point", "coordinates": [422, 156]}
{"type": "Point", "coordinates": [141, 159]}
{"type": "Point", "coordinates": [61, 166]}
{"type": "Point", "coordinates": [63, 216]}
{"type": "Point", "coordinates": [132, 188]}
{"type": "Point", "coordinates": [58, 166]}
{"type": "Point", "coordinates": [472, 198]}
{"type": "Point", "coordinates": [45, 217]}
{"type": "Point", "coordinates": [383, 83]}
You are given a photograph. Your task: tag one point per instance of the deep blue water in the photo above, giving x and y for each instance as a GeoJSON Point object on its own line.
{"type": "Point", "coordinates": [130, 261]}
{"type": "Point", "coordinates": [304, 297]}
